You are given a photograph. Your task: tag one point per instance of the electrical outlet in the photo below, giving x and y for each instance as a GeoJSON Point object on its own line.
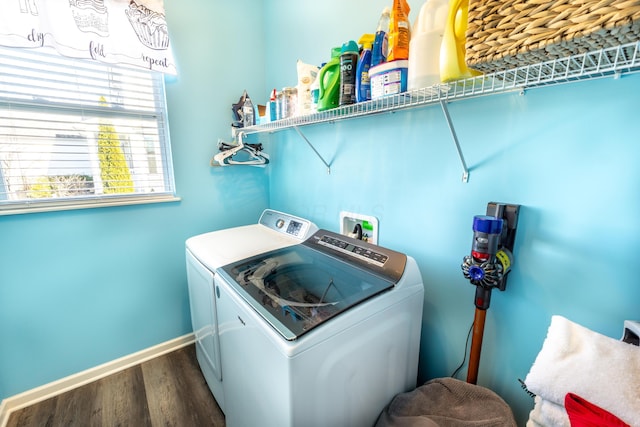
{"type": "Point", "coordinates": [360, 226]}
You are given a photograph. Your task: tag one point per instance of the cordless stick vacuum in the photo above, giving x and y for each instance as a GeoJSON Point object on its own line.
{"type": "Point", "coordinates": [487, 267]}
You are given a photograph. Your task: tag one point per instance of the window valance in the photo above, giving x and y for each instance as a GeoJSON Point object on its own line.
{"type": "Point", "coordinates": [132, 32]}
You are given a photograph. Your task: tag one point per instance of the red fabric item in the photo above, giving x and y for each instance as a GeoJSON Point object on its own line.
{"type": "Point", "coordinates": [585, 414]}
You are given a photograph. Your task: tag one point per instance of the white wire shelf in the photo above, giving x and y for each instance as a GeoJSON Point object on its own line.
{"type": "Point", "coordinates": [613, 61]}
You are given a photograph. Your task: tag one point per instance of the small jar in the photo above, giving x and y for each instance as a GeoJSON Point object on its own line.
{"type": "Point", "coordinates": [289, 102]}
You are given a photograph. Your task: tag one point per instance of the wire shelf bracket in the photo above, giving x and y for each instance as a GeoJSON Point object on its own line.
{"type": "Point", "coordinates": [465, 170]}
{"type": "Point", "coordinates": [297, 129]}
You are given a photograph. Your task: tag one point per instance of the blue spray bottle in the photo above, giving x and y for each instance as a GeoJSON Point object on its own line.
{"type": "Point", "coordinates": [363, 82]}
{"type": "Point", "coordinates": [380, 44]}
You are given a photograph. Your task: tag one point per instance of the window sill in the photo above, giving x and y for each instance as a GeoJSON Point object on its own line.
{"type": "Point", "coordinates": [65, 205]}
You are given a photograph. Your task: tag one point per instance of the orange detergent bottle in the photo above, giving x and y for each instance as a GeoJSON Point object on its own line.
{"type": "Point", "coordinates": [399, 31]}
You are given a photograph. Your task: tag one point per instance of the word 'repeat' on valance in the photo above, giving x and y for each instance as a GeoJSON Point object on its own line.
{"type": "Point", "coordinates": [131, 32]}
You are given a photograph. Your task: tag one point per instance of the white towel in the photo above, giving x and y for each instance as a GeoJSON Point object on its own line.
{"type": "Point", "coordinates": [546, 413]}
{"type": "Point", "coordinates": [602, 370]}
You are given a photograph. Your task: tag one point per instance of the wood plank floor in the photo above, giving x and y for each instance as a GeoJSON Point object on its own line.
{"type": "Point", "coordinates": [166, 391]}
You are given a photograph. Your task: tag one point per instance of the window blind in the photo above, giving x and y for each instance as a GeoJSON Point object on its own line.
{"type": "Point", "coordinates": [77, 133]}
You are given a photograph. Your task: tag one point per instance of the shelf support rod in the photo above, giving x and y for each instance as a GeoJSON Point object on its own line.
{"type": "Point", "coordinates": [313, 148]}
{"type": "Point", "coordinates": [465, 170]}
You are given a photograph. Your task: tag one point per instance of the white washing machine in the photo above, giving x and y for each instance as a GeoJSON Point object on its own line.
{"type": "Point", "coordinates": [322, 333]}
{"type": "Point", "coordinates": [205, 253]}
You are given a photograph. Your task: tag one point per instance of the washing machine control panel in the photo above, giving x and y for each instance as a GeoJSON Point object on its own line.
{"type": "Point", "coordinates": [384, 261]}
{"type": "Point", "coordinates": [288, 224]}
{"type": "Point", "coordinates": [352, 250]}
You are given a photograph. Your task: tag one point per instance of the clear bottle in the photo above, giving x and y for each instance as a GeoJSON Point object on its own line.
{"type": "Point", "coordinates": [279, 102]}
{"type": "Point", "coordinates": [289, 102]}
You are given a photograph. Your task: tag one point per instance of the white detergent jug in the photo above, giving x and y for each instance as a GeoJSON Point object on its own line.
{"type": "Point", "coordinates": [424, 48]}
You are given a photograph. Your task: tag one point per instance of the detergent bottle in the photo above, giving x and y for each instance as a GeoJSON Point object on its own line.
{"type": "Point", "coordinates": [399, 31]}
{"type": "Point", "coordinates": [424, 47]}
{"type": "Point", "coordinates": [381, 41]}
{"type": "Point", "coordinates": [329, 82]}
{"type": "Point", "coordinates": [348, 70]}
{"type": "Point", "coordinates": [452, 62]}
{"type": "Point", "coordinates": [363, 81]}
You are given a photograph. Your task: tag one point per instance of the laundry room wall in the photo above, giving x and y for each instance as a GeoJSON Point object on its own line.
{"type": "Point", "coordinates": [567, 154]}
{"type": "Point", "coordinates": [81, 288]}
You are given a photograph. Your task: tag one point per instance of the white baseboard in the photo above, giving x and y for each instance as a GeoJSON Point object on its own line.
{"type": "Point", "coordinates": [38, 394]}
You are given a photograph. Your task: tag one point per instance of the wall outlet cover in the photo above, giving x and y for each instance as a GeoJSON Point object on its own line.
{"type": "Point", "coordinates": [369, 224]}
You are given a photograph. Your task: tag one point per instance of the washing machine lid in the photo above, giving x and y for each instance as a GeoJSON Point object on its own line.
{"type": "Point", "coordinates": [274, 230]}
{"type": "Point", "coordinates": [297, 288]}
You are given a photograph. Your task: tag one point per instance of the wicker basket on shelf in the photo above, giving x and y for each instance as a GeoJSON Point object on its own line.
{"type": "Point", "coordinates": [504, 34]}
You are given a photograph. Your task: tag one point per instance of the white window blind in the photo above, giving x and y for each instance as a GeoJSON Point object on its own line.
{"type": "Point", "coordinates": [77, 133]}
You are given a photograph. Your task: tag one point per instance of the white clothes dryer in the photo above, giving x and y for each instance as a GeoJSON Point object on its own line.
{"type": "Point", "coordinates": [207, 252]}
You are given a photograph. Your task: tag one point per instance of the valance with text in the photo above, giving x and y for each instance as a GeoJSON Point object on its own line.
{"type": "Point", "coordinates": [131, 32]}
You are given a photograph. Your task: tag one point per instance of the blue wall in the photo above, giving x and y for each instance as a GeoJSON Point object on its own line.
{"type": "Point", "coordinates": [81, 288]}
{"type": "Point", "coordinates": [568, 154]}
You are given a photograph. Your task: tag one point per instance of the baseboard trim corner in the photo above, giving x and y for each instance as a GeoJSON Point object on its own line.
{"type": "Point", "coordinates": [46, 391]}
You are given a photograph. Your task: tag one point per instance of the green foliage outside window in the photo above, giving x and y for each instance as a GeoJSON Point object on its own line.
{"type": "Point", "coordinates": [114, 170]}
{"type": "Point", "coordinates": [46, 187]}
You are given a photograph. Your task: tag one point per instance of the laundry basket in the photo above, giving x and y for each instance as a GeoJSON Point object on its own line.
{"type": "Point", "coordinates": [447, 401]}
{"type": "Point", "coordinates": [504, 34]}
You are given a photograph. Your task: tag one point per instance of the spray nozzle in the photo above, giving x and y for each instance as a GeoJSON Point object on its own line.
{"type": "Point", "coordinates": [366, 40]}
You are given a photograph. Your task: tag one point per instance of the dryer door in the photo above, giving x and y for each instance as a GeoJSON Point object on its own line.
{"type": "Point", "coordinates": [203, 315]}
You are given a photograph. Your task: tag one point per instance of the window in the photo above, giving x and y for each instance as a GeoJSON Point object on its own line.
{"type": "Point", "coordinates": [76, 133]}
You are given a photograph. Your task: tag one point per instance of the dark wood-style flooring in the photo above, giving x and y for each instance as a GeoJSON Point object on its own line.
{"type": "Point", "coordinates": [166, 391]}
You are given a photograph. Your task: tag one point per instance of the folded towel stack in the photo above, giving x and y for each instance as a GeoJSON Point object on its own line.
{"type": "Point", "coordinates": [599, 369]}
